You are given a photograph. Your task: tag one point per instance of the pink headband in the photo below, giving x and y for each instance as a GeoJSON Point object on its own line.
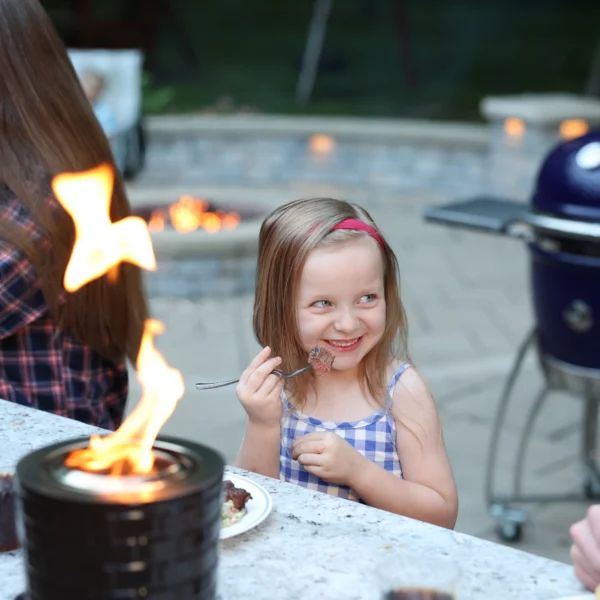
{"type": "Point", "coordinates": [356, 225]}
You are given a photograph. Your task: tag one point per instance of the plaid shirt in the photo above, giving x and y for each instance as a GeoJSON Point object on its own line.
{"type": "Point", "coordinates": [41, 366]}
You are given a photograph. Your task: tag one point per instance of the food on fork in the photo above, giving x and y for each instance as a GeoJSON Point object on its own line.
{"type": "Point", "coordinates": [321, 360]}
{"type": "Point", "coordinates": [234, 504]}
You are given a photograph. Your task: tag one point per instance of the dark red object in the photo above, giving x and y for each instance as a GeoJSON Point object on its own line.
{"type": "Point", "coordinates": [238, 496]}
{"type": "Point", "coordinates": [8, 531]}
{"type": "Point", "coordinates": [321, 360]}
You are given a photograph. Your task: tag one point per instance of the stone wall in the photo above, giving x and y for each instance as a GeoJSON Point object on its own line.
{"type": "Point", "coordinates": [260, 151]}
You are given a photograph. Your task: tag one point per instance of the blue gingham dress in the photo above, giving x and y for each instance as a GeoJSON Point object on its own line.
{"type": "Point", "coordinates": [374, 437]}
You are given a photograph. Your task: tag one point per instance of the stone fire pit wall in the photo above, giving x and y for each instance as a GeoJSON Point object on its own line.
{"type": "Point", "coordinates": [199, 264]}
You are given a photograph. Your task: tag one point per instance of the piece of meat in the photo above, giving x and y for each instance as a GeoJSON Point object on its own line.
{"type": "Point", "coordinates": [238, 496]}
{"type": "Point", "coordinates": [321, 360]}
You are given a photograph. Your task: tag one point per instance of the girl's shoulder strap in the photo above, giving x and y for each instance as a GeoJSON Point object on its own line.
{"type": "Point", "coordinates": [394, 380]}
{"type": "Point", "coordinates": [287, 405]}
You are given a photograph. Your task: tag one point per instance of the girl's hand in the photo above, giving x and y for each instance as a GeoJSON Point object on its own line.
{"type": "Point", "coordinates": [585, 550]}
{"type": "Point", "coordinates": [259, 390]}
{"type": "Point", "coordinates": [328, 456]}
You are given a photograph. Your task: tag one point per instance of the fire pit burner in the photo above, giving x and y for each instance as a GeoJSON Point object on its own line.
{"type": "Point", "coordinates": [190, 214]}
{"type": "Point", "coordinates": [167, 465]}
{"type": "Point", "coordinates": [90, 536]}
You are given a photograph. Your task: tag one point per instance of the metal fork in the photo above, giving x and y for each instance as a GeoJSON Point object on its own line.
{"type": "Point", "coordinates": [218, 384]}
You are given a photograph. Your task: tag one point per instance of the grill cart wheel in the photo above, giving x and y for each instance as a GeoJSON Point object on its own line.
{"type": "Point", "coordinates": [591, 487]}
{"type": "Point", "coordinates": [508, 531]}
{"type": "Point", "coordinates": [509, 522]}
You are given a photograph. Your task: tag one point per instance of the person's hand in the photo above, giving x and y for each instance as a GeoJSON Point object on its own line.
{"type": "Point", "coordinates": [259, 390]}
{"type": "Point", "coordinates": [328, 456]}
{"type": "Point", "coordinates": [585, 550]}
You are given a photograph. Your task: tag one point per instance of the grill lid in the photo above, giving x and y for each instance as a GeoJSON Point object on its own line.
{"type": "Point", "coordinates": [568, 183]}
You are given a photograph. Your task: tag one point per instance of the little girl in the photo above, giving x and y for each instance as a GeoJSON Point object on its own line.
{"type": "Point", "coordinates": [368, 430]}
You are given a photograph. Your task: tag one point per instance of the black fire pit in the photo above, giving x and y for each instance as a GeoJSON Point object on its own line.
{"type": "Point", "coordinates": [561, 226]}
{"type": "Point", "coordinates": [96, 537]}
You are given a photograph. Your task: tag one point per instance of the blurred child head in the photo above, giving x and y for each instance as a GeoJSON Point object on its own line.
{"type": "Point", "coordinates": [93, 85]}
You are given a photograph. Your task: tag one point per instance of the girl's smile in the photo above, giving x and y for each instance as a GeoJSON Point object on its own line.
{"type": "Point", "coordinates": [336, 346]}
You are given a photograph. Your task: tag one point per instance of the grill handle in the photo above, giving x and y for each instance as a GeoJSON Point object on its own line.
{"type": "Point", "coordinates": [508, 218]}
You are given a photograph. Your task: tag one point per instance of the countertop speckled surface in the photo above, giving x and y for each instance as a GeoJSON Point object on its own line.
{"type": "Point", "coordinates": [313, 545]}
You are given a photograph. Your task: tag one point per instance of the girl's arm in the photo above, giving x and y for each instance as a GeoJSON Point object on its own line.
{"type": "Point", "coordinates": [428, 491]}
{"type": "Point", "coordinates": [259, 451]}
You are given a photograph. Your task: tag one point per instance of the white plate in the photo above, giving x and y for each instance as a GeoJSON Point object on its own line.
{"type": "Point", "coordinates": [580, 597]}
{"type": "Point", "coordinates": [258, 507]}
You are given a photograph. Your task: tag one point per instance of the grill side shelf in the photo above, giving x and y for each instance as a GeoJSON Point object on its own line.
{"type": "Point", "coordinates": [490, 215]}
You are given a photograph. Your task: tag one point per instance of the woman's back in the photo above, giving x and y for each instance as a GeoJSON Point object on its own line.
{"type": "Point", "coordinates": [40, 365]}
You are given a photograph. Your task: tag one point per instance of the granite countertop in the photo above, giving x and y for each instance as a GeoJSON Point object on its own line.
{"type": "Point", "coordinates": [314, 545]}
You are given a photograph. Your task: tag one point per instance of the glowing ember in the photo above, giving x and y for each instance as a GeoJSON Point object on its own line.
{"type": "Point", "coordinates": [99, 244]}
{"type": "Point", "coordinates": [190, 214]}
{"type": "Point", "coordinates": [514, 127]}
{"type": "Point", "coordinates": [129, 449]}
{"type": "Point", "coordinates": [573, 128]}
{"type": "Point", "coordinates": [230, 221]}
{"type": "Point", "coordinates": [212, 223]}
{"type": "Point", "coordinates": [187, 214]}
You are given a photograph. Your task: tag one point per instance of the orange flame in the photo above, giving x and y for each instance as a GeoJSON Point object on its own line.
{"type": "Point", "coordinates": [129, 449]}
{"type": "Point", "coordinates": [189, 214]}
{"type": "Point", "coordinates": [99, 244]}
{"type": "Point", "coordinates": [186, 215]}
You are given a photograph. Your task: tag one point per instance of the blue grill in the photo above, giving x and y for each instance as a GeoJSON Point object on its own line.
{"type": "Point", "coordinates": [561, 226]}
{"type": "Point", "coordinates": [565, 271]}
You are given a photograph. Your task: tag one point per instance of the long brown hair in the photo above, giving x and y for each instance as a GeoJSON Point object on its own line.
{"type": "Point", "coordinates": [47, 126]}
{"type": "Point", "coordinates": [287, 236]}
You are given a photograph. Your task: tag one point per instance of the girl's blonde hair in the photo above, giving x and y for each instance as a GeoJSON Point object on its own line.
{"type": "Point", "coordinates": [287, 236]}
